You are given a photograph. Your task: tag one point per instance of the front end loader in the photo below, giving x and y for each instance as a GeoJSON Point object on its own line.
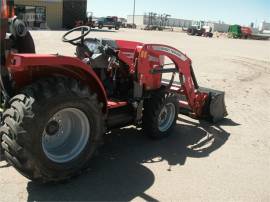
{"type": "Point", "coordinates": [57, 108]}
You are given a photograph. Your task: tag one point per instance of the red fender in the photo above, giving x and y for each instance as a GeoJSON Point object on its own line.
{"type": "Point", "coordinates": [27, 68]}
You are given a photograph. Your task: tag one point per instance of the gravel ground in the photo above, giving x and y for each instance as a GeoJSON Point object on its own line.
{"type": "Point", "coordinates": [199, 161]}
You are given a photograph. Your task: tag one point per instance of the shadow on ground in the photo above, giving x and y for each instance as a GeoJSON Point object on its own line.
{"type": "Point", "coordinates": [118, 173]}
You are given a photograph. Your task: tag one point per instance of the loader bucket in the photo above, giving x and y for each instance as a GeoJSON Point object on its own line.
{"type": "Point", "coordinates": [214, 109]}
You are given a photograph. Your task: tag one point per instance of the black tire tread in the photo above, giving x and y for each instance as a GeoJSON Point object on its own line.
{"type": "Point", "coordinates": [16, 143]}
{"type": "Point", "coordinates": [151, 111]}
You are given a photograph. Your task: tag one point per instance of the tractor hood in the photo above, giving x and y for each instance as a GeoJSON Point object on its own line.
{"type": "Point", "coordinates": [122, 45]}
{"type": "Point", "coordinates": [127, 45]}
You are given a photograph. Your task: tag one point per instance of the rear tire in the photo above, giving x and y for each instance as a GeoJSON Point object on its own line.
{"type": "Point", "coordinates": [100, 26]}
{"type": "Point", "coordinates": [193, 32]}
{"type": "Point", "coordinates": [26, 125]}
{"type": "Point", "coordinates": [160, 114]}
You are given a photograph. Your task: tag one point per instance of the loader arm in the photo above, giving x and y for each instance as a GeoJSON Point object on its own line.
{"type": "Point", "coordinates": [197, 100]}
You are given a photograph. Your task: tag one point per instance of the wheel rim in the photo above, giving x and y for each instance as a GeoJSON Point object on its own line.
{"type": "Point", "coordinates": [65, 135]}
{"type": "Point", "coordinates": [166, 117]}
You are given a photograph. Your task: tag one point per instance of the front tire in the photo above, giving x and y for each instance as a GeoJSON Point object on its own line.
{"type": "Point", "coordinates": [210, 35]}
{"type": "Point", "coordinates": [44, 146]}
{"type": "Point", "coordinates": [160, 114]}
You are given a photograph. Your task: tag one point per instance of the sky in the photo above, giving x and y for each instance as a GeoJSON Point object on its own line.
{"type": "Point", "coordinates": [241, 12]}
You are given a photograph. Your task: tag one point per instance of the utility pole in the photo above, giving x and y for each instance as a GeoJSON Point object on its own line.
{"type": "Point", "coordinates": [134, 8]}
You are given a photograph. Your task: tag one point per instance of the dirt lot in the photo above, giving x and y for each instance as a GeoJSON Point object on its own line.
{"type": "Point", "coordinates": [199, 161]}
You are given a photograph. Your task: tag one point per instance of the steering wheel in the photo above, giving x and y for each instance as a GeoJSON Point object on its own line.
{"type": "Point", "coordinates": [84, 31]}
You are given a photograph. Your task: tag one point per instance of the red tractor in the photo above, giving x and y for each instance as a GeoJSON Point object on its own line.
{"type": "Point", "coordinates": [57, 108]}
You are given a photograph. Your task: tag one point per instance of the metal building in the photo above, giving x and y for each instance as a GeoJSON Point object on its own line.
{"type": "Point", "coordinates": [142, 21]}
{"type": "Point", "coordinates": [264, 26]}
{"type": "Point", "coordinates": [51, 14]}
{"type": "Point", "coordinates": [218, 27]}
